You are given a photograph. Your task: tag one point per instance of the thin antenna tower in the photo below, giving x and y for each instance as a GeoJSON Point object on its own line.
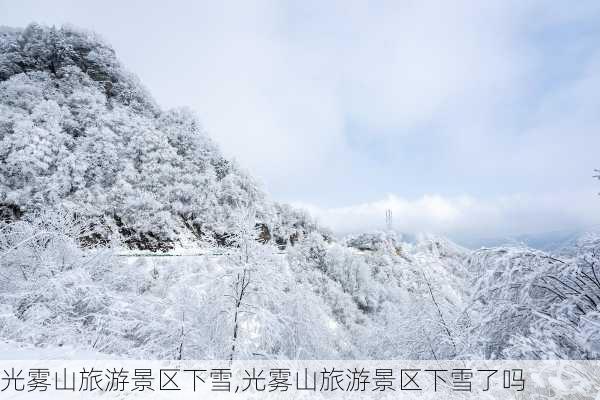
{"type": "Point", "coordinates": [388, 219]}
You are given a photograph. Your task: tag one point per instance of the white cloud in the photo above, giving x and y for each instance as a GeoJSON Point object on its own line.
{"type": "Point", "coordinates": [465, 216]}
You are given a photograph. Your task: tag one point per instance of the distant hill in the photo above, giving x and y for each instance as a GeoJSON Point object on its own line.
{"type": "Point", "coordinates": [556, 242]}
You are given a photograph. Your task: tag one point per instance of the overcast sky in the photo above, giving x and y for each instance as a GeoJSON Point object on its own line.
{"type": "Point", "coordinates": [470, 119]}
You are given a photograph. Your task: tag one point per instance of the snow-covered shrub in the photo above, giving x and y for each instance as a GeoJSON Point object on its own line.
{"type": "Point", "coordinates": [504, 295]}
{"type": "Point", "coordinates": [567, 325]}
{"type": "Point", "coordinates": [529, 304]}
{"type": "Point", "coordinates": [47, 280]}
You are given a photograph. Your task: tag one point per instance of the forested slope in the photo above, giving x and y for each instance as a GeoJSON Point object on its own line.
{"type": "Point", "coordinates": [79, 131]}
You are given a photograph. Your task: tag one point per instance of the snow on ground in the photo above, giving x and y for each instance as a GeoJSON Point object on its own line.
{"type": "Point", "coordinates": [11, 350]}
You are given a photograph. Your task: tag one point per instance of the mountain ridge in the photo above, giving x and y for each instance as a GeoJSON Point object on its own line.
{"type": "Point", "coordinates": [80, 131]}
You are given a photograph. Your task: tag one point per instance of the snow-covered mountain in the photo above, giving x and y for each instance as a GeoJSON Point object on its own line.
{"type": "Point", "coordinates": [86, 154]}
{"type": "Point", "coordinates": [78, 130]}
